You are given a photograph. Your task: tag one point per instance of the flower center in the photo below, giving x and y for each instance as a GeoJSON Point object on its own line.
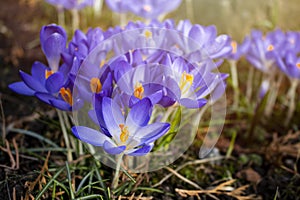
{"type": "Point", "coordinates": [138, 90]}
{"type": "Point", "coordinates": [147, 8]}
{"type": "Point", "coordinates": [234, 47]}
{"type": "Point", "coordinates": [270, 48]}
{"type": "Point", "coordinates": [148, 34]}
{"type": "Point", "coordinates": [48, 73]}
{"type": "Point", "coordinates": [66, 95]}
{"type": "Point", "coordinates": [124, 133]}
{"type": "Point", "coordinates": [186, 82]}
{"type": "Point", "coordinates": [298, 65]}
{"type": "Point", "coordinates": [95, 85]}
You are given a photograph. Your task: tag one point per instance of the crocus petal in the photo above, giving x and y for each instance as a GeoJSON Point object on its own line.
{"type": "Point", "coordinates": [21, 88]}
{"type": "Point", "coordinates": [191, 103]}
{"type": "Point", "coordinates": [139, 114]}
{"type": "Point", "coordinates": [112, 116]}
{"type": "Point", "coordinates": [60, 104]}
{"type": "Point", "coordinates": [32, 83]}
{"type": "Point", "coordinates": [113, 149]}
{"type": "Point", "coordinates": [89, 135]}
{"type": "Point", "coordinates": [54, 82]}
{"type": "Point", "coordinates": [141, 151]}
{"type": "Point", "coordinates": [44, 97]}
{"type": "Point", "coordinates": [152, 132]}
{"type": "Point", "coordinates": [38, 71]}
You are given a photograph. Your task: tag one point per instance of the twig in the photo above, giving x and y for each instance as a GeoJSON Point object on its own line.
{"type": "Point", "coordinates": [14, 194]}
{"type": "Point", "coordinates": [17, 153]}
{"type": "Point", "coordinates": [3, 119]}
{"type": "Point", "coordinates": [8, 151]}
{"type": "Point", "coordinates": [183, 178]}
{"type": "Point", "coordinates": [195, 162]}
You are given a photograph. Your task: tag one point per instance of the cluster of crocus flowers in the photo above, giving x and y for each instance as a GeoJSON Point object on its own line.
{"type": "Point", "coordinates": [71, 4]}
{"type": "Point", "coordinates": [148, 9]}
{"type": "Point", "coordinates": [275, 54]}
{"type": "Point", "coordinates": [122, 92]}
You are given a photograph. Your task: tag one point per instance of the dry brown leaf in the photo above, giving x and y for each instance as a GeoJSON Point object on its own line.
{"type": "Point", "coordinates": [222, 189]}
{"type": "Point", "coordinates": [250, 175]}
{"type": "Point", "coordinates": [39, 180]}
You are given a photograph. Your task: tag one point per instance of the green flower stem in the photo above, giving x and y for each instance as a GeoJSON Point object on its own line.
{"type": "Point", "coordinates": [274, 89]}
{"type": "Point", "coordinates": [115, 181]}
{"type": "Point", "coordinates": [250, 84]}
{"type": "Point", "coordinates": [291, 98]}
{"type": "Point", "coordinates": [61, 16]}
{"type": "Point", "coordinates": [75, 19]}
{"type": "Point", "coordinates": [189, 9]}
{"type": "Point", "coordinates": [235, 83]}
{"type": "Point", "coordinates": [123, 19]}
{"type": "Point", "coordinates": [65, 135]}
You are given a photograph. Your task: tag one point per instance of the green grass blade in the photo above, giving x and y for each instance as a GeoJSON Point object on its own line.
{"type": "Point", "coordinates": [35, 135]}
{"type": "Point", "coordinates": [70, 180]}
{"type": "Point", "coordinates": [49, 183]}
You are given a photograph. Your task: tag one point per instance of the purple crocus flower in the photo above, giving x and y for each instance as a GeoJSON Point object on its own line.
{"type": "Point", "coordinates": [119, 6]}
{"type": "Point", "coordinates": [190, 83]}
{"type": "Point", "coordinates": [152, 9]}
{"type": "Point", "coordinates": [71, 4]}
{"type": "Point", "coordinates": [130, 135]}
{"type": "Point", "coordinates": [50, 84]}
{"type": "Point", "coordinates": [53, 40]}
{"type": "Point", "coordinates": [263, 49]}
{"type": "Point", "coordinates": [290, 64]}
{"type": "Point", "coordinates": [239, 50]}
{"type": "Point", "coordinates": [203, 39]}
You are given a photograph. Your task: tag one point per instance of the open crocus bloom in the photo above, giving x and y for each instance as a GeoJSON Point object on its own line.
{"type": "Point", "coordinates": [131, 135]}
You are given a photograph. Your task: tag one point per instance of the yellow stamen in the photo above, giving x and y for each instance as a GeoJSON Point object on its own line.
{"type": "Point", "coordinates": [186, 82]}
{"type": "Point", "coordinates": [234, 46]}
{"type": "Point", "coordinates": [124, 133]}
{"type": "Point", "coordinates": [95, 85]}
{"type": "Point", "coordinates": [148, 34]}
{"type": "Point", "coordinates": [270, 48]}
{"type": "Point", "coordinates": [102, 63]}
{"type": "Point", "coordinates": [48, 73]}
{"type": "Point", "coordinates": [66, 95]}
{"type": "Point", "coordinates": [138, 91]}
{"type": "Point", "coordinates": [298, 65]}
{"type": "Point", "coordinates": [186, 78]}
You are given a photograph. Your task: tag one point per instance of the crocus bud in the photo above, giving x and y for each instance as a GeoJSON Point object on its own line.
{"type": "Point", "coordinates": [53, 42]}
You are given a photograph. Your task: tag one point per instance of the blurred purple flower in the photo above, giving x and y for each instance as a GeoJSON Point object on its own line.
{"type": "Point", "coordinates": [149, 9]}
{"type": "Point", "coordinates": [239, 50]}
{"type": "Point", "coordinates": [263, 49]}
{"type": "Point", "coordinates": [71, 4]}
{"type": "Point", "coordinates": [204, 40]}
{"type": "Point", "coordinates": [290, 64]}
{"type": "Point", "coordinates": [119, 6]}
{"type": "Point", "coordinates": [131, 135]}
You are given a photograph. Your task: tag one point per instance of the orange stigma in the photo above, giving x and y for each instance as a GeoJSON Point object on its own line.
{"type": "Point", "coordinates": [138, 91]}
{"type": "Point", "coordinates": [234, 47]}
{"type": "Point", "coordinates": [270, 48]}
{"type": "Point", "coordinates": [95, 85]}
{"type": "Point", "coordinates": [66, 95]}
{"type": "Point", "coordinates": [298, 65]}
{"type": "Point", "coordinates": [48, 73]}
{"type": "Point", "coordinates": [124, 133]}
